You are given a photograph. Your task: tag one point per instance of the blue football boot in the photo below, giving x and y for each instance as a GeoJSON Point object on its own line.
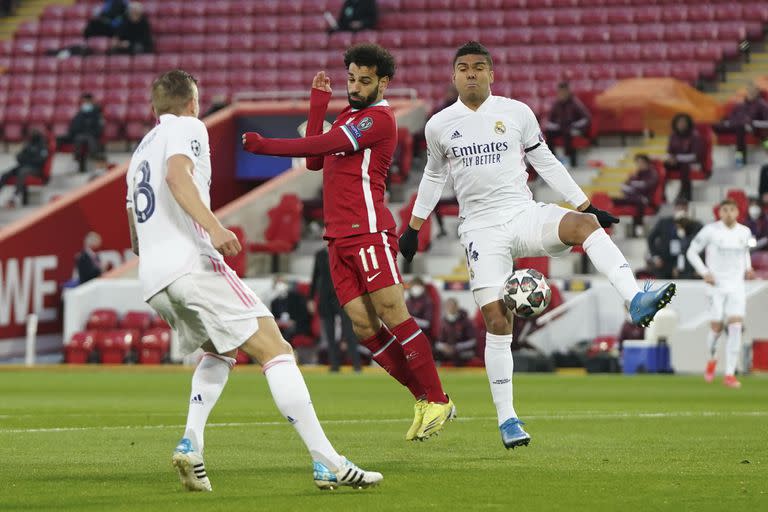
{"type": "Point", "coordinates": [512, 434]}
{"type": "Point", "coordinates": [647, 303]}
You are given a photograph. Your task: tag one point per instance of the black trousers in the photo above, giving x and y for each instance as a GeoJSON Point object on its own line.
{"type": "Point", "coordinates": [347, 333]}
{"type": "Point", "coordinates": [20, 172]}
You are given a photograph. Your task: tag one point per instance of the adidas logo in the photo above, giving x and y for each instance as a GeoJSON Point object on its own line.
{"type": "Point", "coordinates": [197, 399]}
{"type": "Point", "coordinates": [456, 135]}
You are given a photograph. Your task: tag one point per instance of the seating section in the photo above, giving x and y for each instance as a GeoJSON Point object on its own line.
{"type": "Point", "coordinates": [139, 336]}
{"type": "Point", "coordinates": [238, 46]}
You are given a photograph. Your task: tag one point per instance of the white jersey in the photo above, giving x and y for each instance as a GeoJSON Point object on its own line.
{"type": "Point", "coordinates": [483, 152]}
{"type": "Point", "coordinates": [171, 244]}
{"type": "Point", "coordinates": [726, 251]}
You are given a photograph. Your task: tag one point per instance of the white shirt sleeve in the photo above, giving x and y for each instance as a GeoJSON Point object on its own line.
{"type": "Point", "coordinates": [129, 188]}
{"type": "Point", "coordinates": [190, 139]}
{"type": "Point", "coordinates": [698, 244]}
{"type": "Point", "coordinates": [545, 163]}
{"type": "Point", "coordinates": [435, 174]}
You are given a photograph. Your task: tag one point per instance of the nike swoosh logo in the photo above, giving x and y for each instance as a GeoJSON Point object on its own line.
{"type": "Point", "coordinates": [374, 276]}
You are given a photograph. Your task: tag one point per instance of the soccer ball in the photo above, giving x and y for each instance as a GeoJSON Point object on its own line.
{"type": "Point", "coordinates": [526, 293]}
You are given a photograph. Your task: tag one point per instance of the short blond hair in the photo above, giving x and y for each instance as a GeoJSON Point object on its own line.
{"type": "Point", "coordinates": [172, 90]}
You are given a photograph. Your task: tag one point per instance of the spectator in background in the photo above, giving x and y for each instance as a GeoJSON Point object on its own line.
{"type": "Point", "coordinates": [29, 162]}
{"type": "Point", "coordinates": [355, 15]}
{"type": "Point", "coordinates": [87, 261]}
{"type": "Point", "coordinates": [85, 131]}
{"type": "Point", "coordinates": [762, 189]}
{"type": "Point", "coordinates": [420, 305]}
{"type": "Point", "coordinates": [568, 118]}
{"type": "Point", "coordinates": [290, 310]}
{"type": "Point", "coordinates": [684, 151]}
{"type": "Point", "coordinates": [457, 342]}
{"type": "Point", "coordinates": [134, 35]}
{"type": "Point", "coordinates": [218, 102]}
{"type": "Point", "coordinates": [106, 20]}
{"type": "Point", "coordinates": [669, 240]}
{"type": "Point", "coordinates": [327, 304]}
{"type": "Point", "coordinates": [7, 7]}
{"type": "Point", "coordinates": [749, 116]}
{"type": "Point", "coordinates": [757, 222]}
{"type": "Point", "coordinates": [639, 187]}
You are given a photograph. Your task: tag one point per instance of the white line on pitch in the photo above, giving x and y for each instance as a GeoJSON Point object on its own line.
{"type": "Point", "coordinates": [544, 417]}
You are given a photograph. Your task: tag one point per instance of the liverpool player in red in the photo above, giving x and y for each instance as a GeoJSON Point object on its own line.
{"type": "Point", "coordinates": [355, 155]}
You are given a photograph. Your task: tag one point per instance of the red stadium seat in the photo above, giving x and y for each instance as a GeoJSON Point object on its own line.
{"type": "Point", "coordinates": [137, 320]}
{"type": "Point", "coordinates": [154, 345]}
{"type": "Point", "coordinates": [80, 347]}
{"type": "Point", "coordinates": [284, 230]}
{"type": "Point", "coordinates": [102, 319]}
{"type": "Point", "coordinates": [113, 346]}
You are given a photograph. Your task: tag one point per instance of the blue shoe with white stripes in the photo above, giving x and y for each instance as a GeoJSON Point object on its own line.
{"type": "Point", "coordinates": [512, 434]}
{"type": "Point", "coordinates": [348, 475]}
{"type": "Point", "coordinates": [647, 303]}
{"type": "Point", "coordinates": [190, 466]}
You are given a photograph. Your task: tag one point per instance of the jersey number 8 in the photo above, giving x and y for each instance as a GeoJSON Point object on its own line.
{"type": "Point", "coordinates": [143, 189]}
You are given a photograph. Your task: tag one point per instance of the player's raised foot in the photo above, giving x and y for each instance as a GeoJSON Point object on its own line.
{"type": "Point", "coordinates": [647, 303]}
{"type": "Point", "coordinates": [731, 382]}
{"type": "Point", "coordinates": [418, 417]}
{"type": "Point", "coordinates": [513, 435]}
{"type": "Point", "coordinates": [348, 475]}
{"type": "Point", "coordinates": [191, 468]}
{"type": "Point", "coordinates": [709, 373]}
{"type": "Point", "coordinates": [436, 414]}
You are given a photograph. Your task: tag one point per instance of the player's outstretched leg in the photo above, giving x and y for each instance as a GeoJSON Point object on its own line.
{"type": "Point", "coordinates": [208, 382]}
{"type": "Point", "coordinates": [291, 396]}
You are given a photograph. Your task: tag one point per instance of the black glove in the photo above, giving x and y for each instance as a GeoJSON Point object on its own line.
{"type": "Point", "coordinates": [409, 243]}
{"type": "Point", "coordinates": [605, 219]}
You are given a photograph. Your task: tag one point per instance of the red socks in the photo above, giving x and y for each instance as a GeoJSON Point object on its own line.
{"type": "Point", "coordinates": [388, 353]}
{"type": "Point", "coordinates": [418, 355]}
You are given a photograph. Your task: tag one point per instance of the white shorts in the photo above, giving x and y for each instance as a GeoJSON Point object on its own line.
{"type": "Point", "coordinates": [210, 305]}
{"type": "Point", "coordinates": [490, 251]}
{"type": "Point", "coordinates": [725, 303]}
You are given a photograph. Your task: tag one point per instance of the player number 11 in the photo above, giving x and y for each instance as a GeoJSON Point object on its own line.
{"type": "Point", "coordinates": [374, 262]}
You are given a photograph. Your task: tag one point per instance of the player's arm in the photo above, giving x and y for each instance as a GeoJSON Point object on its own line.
{"type": "Point", "coordinates": [182, 187]}
{"type": "Point", "coordinates": [132, 229]}
{"type": "Point", "coordinates": [319, 97]}
{"type": "Point", "coordinates": [698, 244]}
{"type": "Point", "coordinates": [554, 173]}
{"type": "Point", "coordinates": [430, 189]}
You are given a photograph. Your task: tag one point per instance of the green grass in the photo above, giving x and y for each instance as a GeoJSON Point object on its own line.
{"type": "Point", "coordinates": [599, 442]}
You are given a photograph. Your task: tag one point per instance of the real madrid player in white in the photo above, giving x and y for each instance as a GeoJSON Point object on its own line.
{"type": "Point", "coordinates": [480, 141]}
{"type": "Point", "coordinates": [726, 243]}
{"type": "Point", "coordinates": [181, 245]}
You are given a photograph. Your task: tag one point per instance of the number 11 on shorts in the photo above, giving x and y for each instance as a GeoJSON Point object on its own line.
{"type": "Point", "coordinates": [372, 252]}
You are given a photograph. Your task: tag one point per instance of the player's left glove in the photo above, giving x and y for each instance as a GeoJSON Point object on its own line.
{"type": "Point", "coordinates": [605, 219]}
{"type": "Point", "coordinates": [252, 142]}
{"type": "Point", "coordinates": [409, 243]}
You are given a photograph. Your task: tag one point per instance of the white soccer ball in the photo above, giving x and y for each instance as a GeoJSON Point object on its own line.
{"type": "Point", "coordinates": [526, 293]}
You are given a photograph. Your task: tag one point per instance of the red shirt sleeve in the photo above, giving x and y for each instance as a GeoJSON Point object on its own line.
{"type": "Point", "coordinates": [318, 106]}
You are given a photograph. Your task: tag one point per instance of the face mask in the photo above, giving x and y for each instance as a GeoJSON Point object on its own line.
{"type": "Point", "coordinates": [754, 212]}
{"type": "Point", "coordinates": [281, 289]}
{"type": "Point", "coordinates": [417, 290]}
{"type": "Point", "coordinates": [451, 317]}
{"type": "Point", "coordinates": [87, 107]}
{"type": "Point", "coordinates": [679, 214]}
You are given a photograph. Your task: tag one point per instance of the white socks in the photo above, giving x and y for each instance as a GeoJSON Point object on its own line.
{"type": "Point", "coordinates": [499, 366]}
{"type": "Point", "coordinates": [609, 261]}
{"type": "Point", "coordinates": [291, 396]}
{"type": "Point", "coordinates": [208, 382]}
{"type": "Point", "coordinates": [732, 348]}
{"type": "Point", "coordinates": [712, 342]}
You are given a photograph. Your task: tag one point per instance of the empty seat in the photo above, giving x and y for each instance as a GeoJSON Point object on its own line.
{"type": "Point", "coordinates": [113, 346]}
{"type": "Point", "coordinates": [80, 347]}
{"type": "Point", "coordinates": [154, 345]}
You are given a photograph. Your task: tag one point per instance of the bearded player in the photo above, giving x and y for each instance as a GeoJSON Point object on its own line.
{"type": "Point", "coordinates": [480, 141]}
{"type": "Point", "coordinates": [355, 156]}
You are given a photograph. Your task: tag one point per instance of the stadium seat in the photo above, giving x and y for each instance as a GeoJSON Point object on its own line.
{"type": "Point", "coordinates": [437, 308]}
{"type": "Point", "coordinates": [102, 320]}
{"type": "Point", "coordinates": [154, 345]}
{"type": "Point", "coordinates": [138, 320]}
{"type": "Point", "coordinates": [742, 202]}
{"type": "Point", "coordinates": [80, 347]}
{"type": "Point", "coordinates": [284, 230]}
{"type": "Point", "coordinates": [113, 346]}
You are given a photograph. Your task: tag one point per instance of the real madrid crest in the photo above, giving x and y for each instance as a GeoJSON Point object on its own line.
{"type": "Point", "coordinates": [500, 128]}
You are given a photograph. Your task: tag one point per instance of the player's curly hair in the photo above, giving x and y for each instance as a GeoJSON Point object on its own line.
{"type": "Point", "coordinates": [370, 55]}
{"type": "Point", "coordinates": [473, 48]}
{"type": "Point", "coordinates": [171, 91]}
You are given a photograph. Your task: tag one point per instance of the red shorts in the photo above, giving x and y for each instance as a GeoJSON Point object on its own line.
{"type": "Point", "coordinates": [363, 264]}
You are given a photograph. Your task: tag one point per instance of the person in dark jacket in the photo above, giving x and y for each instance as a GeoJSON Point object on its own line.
{"type": "Point", "coordinates": [567, 119]}
{"type": "Point", "coordinates": [85, 131]}
{"type": "Point", "coordinates": [457, 336]}
{"type": "Point", "coordinates": [749, 116]}
{"type": "Point", "coordinates": [87, 261]}
{"type": "Point", "coordinates": [321, 290]}
{"type": "Point", "coordinates": [685, 150]}
{"type": "Point", "coordinates": [355, 15]}
{"type": "Point", "coordinates": [420, 306]}
{"type": "Point", "coordinates": [639, 188]}
{"type": "Point", "coordinates": [134, 35]}
{"type": "Point", "coordinates": [107, 19]}
{"type": "Point", "coordinates": [669, 240]}
{"type": "Point", "coordinates": [757, 222]}
{"type": "Point", "coordinates": [290, 310]}
{"type": "Point", "coordinates": [30, 161]}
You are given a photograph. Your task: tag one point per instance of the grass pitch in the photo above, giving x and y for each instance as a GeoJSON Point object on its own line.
{"type": "Point", "coordinates": [95, 439]}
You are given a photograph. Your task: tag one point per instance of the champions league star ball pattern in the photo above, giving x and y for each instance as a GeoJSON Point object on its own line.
{"type": "Point", "coordinates": [526, 293]}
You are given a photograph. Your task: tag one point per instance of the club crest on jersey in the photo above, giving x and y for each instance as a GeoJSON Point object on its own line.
{"type": "Point", "coordinates": [365, 123]}
{"type": "Point", "coordinates": [195, 146]}
{"type": "Point", "coordinates": [500, 128]}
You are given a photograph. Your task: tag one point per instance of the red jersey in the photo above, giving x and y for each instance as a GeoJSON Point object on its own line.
{"type": "Point", "coordinates": [355, 155]}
